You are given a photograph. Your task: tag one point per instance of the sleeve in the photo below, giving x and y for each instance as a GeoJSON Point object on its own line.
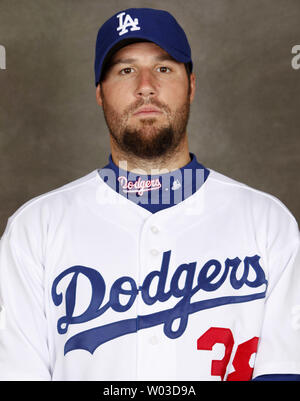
{"type": "Point", "coordinates": [24, 353]}
{"type": "Point", "coordinates": [277, 378]}
{"type": "Point", "coordinates": [279, 345]}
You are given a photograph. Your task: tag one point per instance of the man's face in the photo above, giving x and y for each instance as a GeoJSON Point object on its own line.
{"type": "Point", "coordinates": [146, 98]}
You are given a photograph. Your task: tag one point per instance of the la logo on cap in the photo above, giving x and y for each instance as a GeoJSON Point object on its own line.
{"type": "Point", "coordinates": [128, 22]}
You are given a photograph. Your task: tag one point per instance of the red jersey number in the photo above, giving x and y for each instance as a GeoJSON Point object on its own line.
{"type": "Point", "coordinates": [220, 335]}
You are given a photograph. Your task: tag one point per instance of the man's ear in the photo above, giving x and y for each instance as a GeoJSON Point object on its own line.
{"type": "Point", "coordinates": [192, 87]}
{"type": "Point", "coordinates": [99, 95]}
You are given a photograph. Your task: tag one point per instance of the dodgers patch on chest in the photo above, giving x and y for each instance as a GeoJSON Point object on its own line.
{"type": "Point", "coordinates": [174, 294]}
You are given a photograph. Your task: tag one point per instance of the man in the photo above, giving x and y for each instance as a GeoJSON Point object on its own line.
{"type": "Point", "coordinates": [154, 267]}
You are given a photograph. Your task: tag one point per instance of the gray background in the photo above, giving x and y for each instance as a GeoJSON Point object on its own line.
{"type": "Point", "coordinates": [244, 121]}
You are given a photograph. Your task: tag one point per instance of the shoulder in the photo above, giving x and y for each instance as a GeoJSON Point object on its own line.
{"type": "Point", "coordinates": [52, 202]}
{"type": "Point", "coordinates": [247, 196]}
{"type": "Point", "coordinates": [256, 212]}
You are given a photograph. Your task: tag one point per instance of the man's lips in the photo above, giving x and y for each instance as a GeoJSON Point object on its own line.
{"type": "Point", "coordinates": [147, 110]}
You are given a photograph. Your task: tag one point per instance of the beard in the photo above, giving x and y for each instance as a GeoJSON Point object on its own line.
{"type": "Point", "coordinates": [147, 139]}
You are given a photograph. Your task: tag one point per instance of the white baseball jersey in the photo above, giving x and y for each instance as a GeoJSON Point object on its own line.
{"type": "Point", "coordinates": [95, 287]}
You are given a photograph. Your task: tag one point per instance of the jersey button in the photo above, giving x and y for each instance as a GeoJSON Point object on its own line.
{"type": "Point", "coordinates": [154, 252]}
{"type": "Point", "coordinates": [154, 229]}
{"type": "Point", "coordinates": [153, 340]}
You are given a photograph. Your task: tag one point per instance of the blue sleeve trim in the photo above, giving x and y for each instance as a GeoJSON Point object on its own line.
{"type": "Point", "coordinates": [277, 378]}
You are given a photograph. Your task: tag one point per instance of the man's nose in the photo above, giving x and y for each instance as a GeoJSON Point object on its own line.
{"type": "Point", "coordinates": [146, 86]}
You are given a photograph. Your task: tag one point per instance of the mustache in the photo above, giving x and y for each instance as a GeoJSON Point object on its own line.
{"type": "Point", "coordinates": [142, 102]}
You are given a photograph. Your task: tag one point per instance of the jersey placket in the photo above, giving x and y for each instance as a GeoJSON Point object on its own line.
{"type": "Point", "coordinates": [150, 340]}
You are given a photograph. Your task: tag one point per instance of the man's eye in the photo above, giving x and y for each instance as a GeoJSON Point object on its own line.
{"type": "Point", "coordinates": [164, 69]}
{"type": "Point", "coordinates": [126, 71]}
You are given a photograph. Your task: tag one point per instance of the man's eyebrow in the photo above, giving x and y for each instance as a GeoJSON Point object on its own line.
{"type": "Point", "coordinates": [122, 61]}
{"type": "Point", "coordinates": [163, 57]}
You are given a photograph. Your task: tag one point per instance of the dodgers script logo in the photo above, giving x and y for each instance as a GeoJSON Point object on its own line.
{"type": "Point", "coordinates": [210, 278]}
{"type": "Point", "coordinates": [128, 22]}
{"type": "Point", "coordinates": [138, 186]}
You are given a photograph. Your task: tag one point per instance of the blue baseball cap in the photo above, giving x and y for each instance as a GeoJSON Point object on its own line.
{"type": "Point", "coordinates": [141, 24]}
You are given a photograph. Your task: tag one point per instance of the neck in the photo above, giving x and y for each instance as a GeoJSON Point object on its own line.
{"type": "Point", "coordinates": [166, 163]}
